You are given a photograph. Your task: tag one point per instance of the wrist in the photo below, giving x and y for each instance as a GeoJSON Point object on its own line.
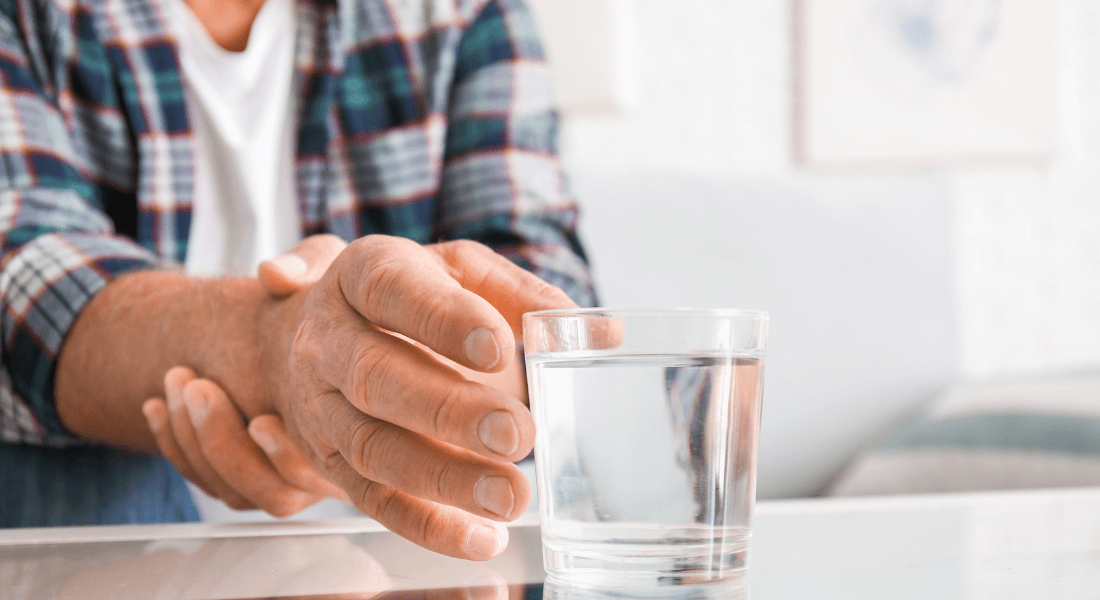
{"type": "Point", "coordinates": [232, 357]}
{"type": "Point", "coordinates": [276, 324]}
{"type": "Point", "coordinates": [153, 321]}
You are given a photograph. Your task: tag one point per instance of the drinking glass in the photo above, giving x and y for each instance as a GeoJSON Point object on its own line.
{"type": "Point", "coordinates": [645, 451]}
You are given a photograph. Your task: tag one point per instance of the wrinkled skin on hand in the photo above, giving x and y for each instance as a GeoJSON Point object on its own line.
{"type": "Point", "coordinates": [413, 444]}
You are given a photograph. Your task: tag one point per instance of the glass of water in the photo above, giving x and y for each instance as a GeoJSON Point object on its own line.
{"type": "Point", "coordinates": [645, 451]}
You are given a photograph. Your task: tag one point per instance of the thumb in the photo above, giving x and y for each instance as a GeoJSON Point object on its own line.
{"type": "Point", "coordinates": [301, 266]}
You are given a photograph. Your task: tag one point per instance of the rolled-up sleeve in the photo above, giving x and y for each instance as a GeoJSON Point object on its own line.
{"type": "Point", "coordinates": [502, 182]}
{"type": "Point", "coordinates": [58, 246]}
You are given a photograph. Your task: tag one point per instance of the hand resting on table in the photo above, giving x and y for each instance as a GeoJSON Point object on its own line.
{"type": "Point", "coordinates": [437, 485]}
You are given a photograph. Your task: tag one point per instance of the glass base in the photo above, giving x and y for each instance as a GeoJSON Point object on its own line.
{"type": "Point", "coordinates": [738, 589]}
{"type": "Point", "coordinates": [635, 566]}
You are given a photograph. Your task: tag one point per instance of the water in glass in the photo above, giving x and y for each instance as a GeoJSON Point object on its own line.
{"type": "Point", "coordinates": [647, 464]}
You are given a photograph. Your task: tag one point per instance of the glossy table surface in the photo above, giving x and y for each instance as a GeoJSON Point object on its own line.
{"type": "Point", "coordinates": [1034, 544]}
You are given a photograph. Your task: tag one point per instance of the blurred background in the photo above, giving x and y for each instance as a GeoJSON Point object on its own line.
{"type": "Point", "coordinates": [911, 188]}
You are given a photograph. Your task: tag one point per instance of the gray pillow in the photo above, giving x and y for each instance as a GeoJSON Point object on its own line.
{"type": "Point", "coordinates": [1027, 433]}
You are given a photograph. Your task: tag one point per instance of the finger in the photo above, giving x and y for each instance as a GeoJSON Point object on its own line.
{"type": "Point", "coordinates": [288, 460]}
{"type": "Point", "coordinates": [510, 289]}
{"type": "Point", "coordinates": [398, 285]}
{"type": "Point", "coordinates": [606, 333]}
{"type": "Point", "coordinates": [180, 417]}
{"type": "Point", "coordinates": [305, 264]}
{"type": "Point", "coordinates": [233, 455]}
{"type": "Point", "coordinates": [512, 380]}
{"type": "Point", "coordinates": [156, 414]}
{"type": "Point", "coordinates": [426, 468]}
{"type": "Point", "coordinates": [566, 330]}
{"type": "Point", "coordinates": [439, 528]}
{"type": "Point", "coordinates": [395, 381]}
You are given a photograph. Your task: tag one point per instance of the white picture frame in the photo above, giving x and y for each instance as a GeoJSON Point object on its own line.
{"type": "Point", "coordinates": [916, 83]}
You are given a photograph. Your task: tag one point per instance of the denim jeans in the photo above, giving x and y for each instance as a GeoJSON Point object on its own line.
{"type": "Point", "coordinates": [89, 485]}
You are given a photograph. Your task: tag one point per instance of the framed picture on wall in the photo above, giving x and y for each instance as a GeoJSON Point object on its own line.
{"type": "Point", "coordinates": [913, 83]}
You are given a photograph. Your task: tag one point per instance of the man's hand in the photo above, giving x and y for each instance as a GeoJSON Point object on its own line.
{"type": "Point", "coordinates": [305, 264]}
{"type": "Point", "coordinates": [202, 434]}
{"type": "Point", "coordinates": [219, 454]}
{"type": "Point", "coordinates": [415, 445]}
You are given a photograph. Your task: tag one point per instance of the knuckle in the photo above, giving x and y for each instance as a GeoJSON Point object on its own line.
{"type": "Point", "coordinates": [307, 344]}
{"type": "Point", "coordinates": [445, 413]}
{"type": "Point", "coordinates": [376, 502]}
{"type": "Point", "coordinates": [386, 262]}
{"type": "Point", "coordinates": [382, 279]}
{"type": "Point", "coordinates": [381, 246]}
{"type": "Point", "coordinates": [332, 461]}
{"type": "Point", "coordinates": [369, 370]}
{"type": "Point", "coordinates": [328, 239]}
{"type": "Point", "coordinates": [436, 528]}
{"type": "Point", "coordinates": [431, 525]}
{"type": "Point", "coordinates": [365, 244]}
{"type": "Point", "coordinates": [303, 341]}
{"type": "Point", "coordinates": [393, 243]}
{"type": "Point", "coordinates": [463, 247]}
{"type": "Point", "coordinates": [441, 480]}
{"type": "Point", "coordinates": [371, 444]}
{"type": "Point", "coordinates": [437, 315]}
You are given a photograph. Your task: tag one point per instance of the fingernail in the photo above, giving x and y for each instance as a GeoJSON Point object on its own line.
{"type": "Point", "coordinates": [291, 264]}
{"type": "Point", "coordinates": [494, 494]}
{"type": "Point", "coordinates": [484, 542]}
{"type": "Point", "coordinates": [155, 419]}
{"type": "Point", "coordinates": [498, 432]}
{"type": "Point", "coordinates": [264, 440]}
{"type": "Point", "coordinates": [481, 349]}
{"type": "Point", "coordinates": [172, 398]}
{"type": "Point", "coordinates": [196, 405]}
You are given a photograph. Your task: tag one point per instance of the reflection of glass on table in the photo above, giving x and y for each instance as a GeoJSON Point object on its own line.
{"type": "Point", "coordinates": [1040, 545]}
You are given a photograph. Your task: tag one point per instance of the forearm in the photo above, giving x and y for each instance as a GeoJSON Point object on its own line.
{"type": "Point", "coordinates": [135, 329]}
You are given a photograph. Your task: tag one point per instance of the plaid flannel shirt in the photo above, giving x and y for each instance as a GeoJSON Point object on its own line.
{"type": "Point", "coordinates": [428, 119]}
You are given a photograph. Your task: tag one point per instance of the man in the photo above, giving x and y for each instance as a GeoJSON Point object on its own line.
{"type": "Point", "coordinates": [136, 135]}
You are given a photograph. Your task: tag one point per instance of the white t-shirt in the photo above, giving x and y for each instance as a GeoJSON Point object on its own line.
{"type": "Point", "coordinates": [240, 105]}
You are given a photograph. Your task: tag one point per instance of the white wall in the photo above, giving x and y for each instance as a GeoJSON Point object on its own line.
{"type": "Point", "coordinates": [1029, 239]}
{"type": "Point", "coordinates": [713, 103]}
{"type": "Point", "coordinates": [714, 81]}
{"type": "Point", "coordinates": [711, 92]}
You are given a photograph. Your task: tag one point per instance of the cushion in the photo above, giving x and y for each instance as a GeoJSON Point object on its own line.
{"type": "Point", "coordinates": [1039, 432]}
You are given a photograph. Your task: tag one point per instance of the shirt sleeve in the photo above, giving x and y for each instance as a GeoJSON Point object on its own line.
{"type": "Point", "coordinates": [57, 245]}
{"type": "Point", "coordinates": [502, 183]}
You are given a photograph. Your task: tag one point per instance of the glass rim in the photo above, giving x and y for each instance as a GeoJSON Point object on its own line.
{"type": "Point", "coordinates": [734, 313]}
